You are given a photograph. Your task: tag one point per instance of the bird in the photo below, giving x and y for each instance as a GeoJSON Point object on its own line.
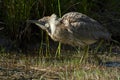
{"type": "Point", "coordinates": [73, 28]}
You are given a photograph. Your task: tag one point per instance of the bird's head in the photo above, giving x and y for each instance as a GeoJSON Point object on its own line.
{"type": "Point", "coordinates": [47, 23]}
{"type": "Point", "coordinates": [42, 23]}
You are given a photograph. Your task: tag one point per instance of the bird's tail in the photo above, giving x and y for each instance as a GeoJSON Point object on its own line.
{"type": "Point", "coordinates": [115, 41]}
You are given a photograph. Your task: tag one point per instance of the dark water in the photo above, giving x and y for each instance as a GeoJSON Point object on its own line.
{"type": "Point", "coordinates": [111, 64]}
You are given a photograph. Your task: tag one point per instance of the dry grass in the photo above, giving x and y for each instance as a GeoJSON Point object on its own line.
{"type": "Point", "coordinates": [65, 67]}
{"type": "Point", "coordinates": [23, 67]}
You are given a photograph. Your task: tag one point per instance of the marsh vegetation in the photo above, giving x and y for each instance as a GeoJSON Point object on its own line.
{"type": "Point", "coordinates": [28, 53]}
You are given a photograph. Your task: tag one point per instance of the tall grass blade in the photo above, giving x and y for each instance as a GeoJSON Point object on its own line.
{"type": "Point", "coordinates": [59, 46]}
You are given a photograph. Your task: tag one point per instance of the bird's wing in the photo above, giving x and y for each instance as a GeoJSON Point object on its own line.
{"type": "Point", "coordinates": [84, 27]}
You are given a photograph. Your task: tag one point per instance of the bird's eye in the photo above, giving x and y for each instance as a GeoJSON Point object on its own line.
{"type": "Point", "coordinates": [47, 25]}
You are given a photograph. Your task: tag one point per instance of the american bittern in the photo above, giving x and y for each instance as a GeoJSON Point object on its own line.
{"type": "Point", "coordinates": [73, 28]}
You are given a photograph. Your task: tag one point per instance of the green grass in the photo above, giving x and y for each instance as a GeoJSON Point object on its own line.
{"type": "Point", "coordinates": [63, 65]}
{"type": "Point", "coordinates": [62, 68]}
{"type": "Point", "coordinates": [14, 14]}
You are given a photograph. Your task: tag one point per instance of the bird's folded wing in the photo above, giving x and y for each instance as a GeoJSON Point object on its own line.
{"type": "Point", "coordinates": [84, 27]}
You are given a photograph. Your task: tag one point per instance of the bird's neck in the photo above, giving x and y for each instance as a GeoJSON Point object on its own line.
{"type": "Point", "coordinates": [53, 24]}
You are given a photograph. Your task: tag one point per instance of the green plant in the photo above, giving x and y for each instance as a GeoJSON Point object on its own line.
{"type": "Point", "coordinates": [15, 15]}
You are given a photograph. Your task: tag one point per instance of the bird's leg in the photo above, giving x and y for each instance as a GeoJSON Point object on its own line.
{"type": "Point", "coordinates": [85, 53]}
{"type": "Point", "coordinates": [99, 61]}
{"type": "Point", "coordinates": [58, 51]}
{"type": "Point", "coordinates": [99, 45]}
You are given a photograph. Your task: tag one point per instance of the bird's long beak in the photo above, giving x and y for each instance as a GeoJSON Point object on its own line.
{"type": "Point", "coordinates": [38, 23]}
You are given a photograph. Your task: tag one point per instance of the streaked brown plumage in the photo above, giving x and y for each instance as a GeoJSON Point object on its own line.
{"type": "Point", "coordinates": [73, 28]}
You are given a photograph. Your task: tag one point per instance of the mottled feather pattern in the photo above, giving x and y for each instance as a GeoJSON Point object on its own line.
{"type": "Point", "coordinates": [82, 24]}
{"type": "Point", "coordinates": [75, 29]}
